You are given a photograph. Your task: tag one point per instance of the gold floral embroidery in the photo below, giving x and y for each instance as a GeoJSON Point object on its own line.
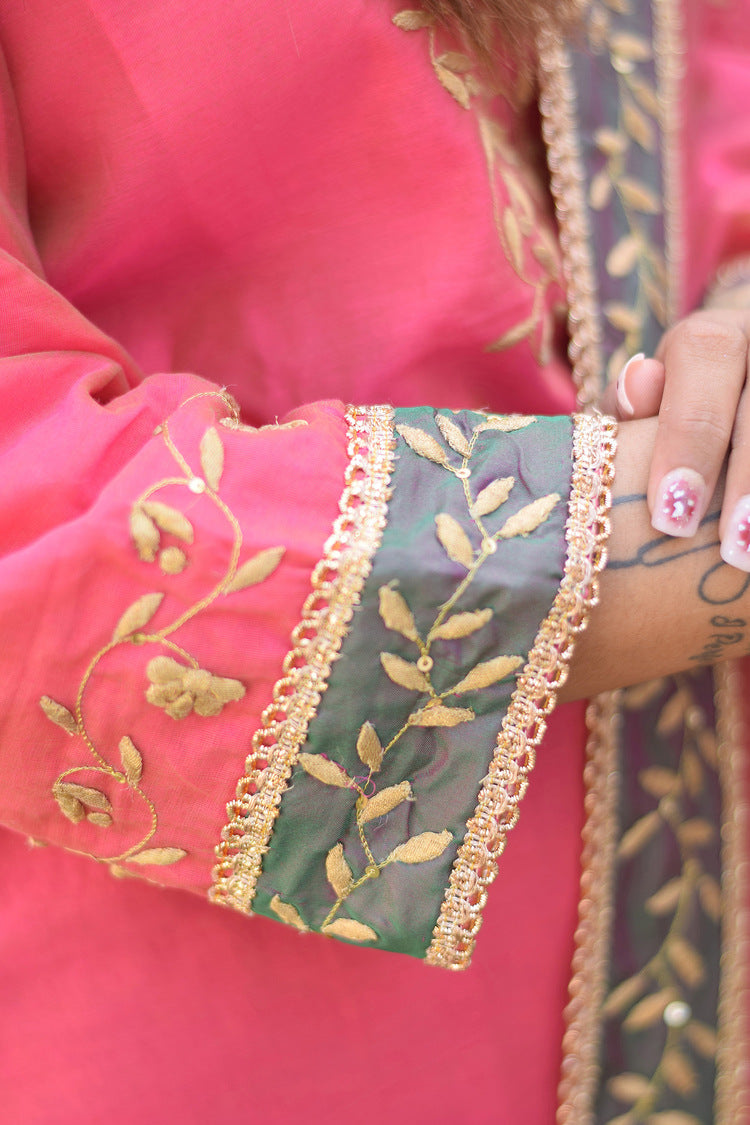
{"type": "Point", "coordinates": [176, 686]}
{"type": "Point", "coordinates": [517, 205]}
{"type": "Point", "coordinates": [337, 583]}
{"type": "Point", "coordinates": [416, 675]}
{"type": "Point", "coordinates": [534, 697]}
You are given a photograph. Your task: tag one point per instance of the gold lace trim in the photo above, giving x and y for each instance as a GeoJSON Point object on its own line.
{"type": "Point", "coordinates": [669, 50]}
{"type": "Point", "coordinates": [337, 583]}
{"type": "Point", "coordinates": [733, 1054]}
{"type": "Point", "coordinates": [588, 984]}
{"type": "Point", "coordinates": [533, 700]}
{"type": "Point", "coordinates": [557, 108]}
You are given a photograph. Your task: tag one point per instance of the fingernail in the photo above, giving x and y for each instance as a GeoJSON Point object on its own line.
{"type": "Point", "coordinates": [679, 503]}
{"type": "Point", "coordinates": [626, 406]}
{"type": "Point", "coordinates": [735, 546]}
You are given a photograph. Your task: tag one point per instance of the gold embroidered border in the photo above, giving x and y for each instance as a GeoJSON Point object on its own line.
{"type": "Point", "coordinates": [580, 1070]}
{"type": "Point", "coordinates": [533, 700]}
{"type": "Point", "coordinates": [557, 108]}
{"type": "Point", "coordinates": [733, 1055]}
{"type": "Point", "coordinates": [669, 51]}
{"type": "Point", "coordinates": [337, 583]}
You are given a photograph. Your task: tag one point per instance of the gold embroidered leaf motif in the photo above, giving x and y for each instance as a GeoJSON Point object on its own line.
{"type": "Point", "coordinates": [349, 929]}
{"type": "Point", "coordinates": [159, 857]}
{"type": "Point", "coordinates": [600, 191]}
{"type": "Point", "coordinates": [650, 1010]}
{"type": "Point", "coordinates": [686, 959]}
{"type": "Point", "coordinates": [132, 762]}
{"type": "Point", "coordinates": [369, 748]}
{"type": "Point", "coordinates": [678, 1072]}
{"type": "Point", "coordinates": [530, 517]}
{"type": "Point", "coordinates": [703, 1038]}
{"type": "Point", "coordinates": [672, 715]}
{"type": "Point", "coordinates": [639, 196]}
{"type": "Point", "coordinates": [145, 534]}
{"type": "Point", "coordinates": [338, 871]}
{"type": "Point", "coordinates": [639, 834]}
{"type": "Point", "coordinates": [172, 560]}
{"type": "Point", "coordinates": [461, 625]}
{"type": "Point", "coordinates": [672, 1117]}
{"type": "Point", "coordinates": [706, 740]}
{"type": "Point", "coordinates": [625, 994]}
{"type": "Point", "coordinates": [396, 614]}
{"type": "Point", "coordinates": [455, 61]}
{"type": "Point", "coordinates": [622, 317]}
{"type": "Point", "coordinates": [137, 615]}
{"type": "Point", "coordinates": [421, 848]}
{"type": "Point", "coordinates": [692, 771]}
{"type": "Point", "coordinates": [513, 237]}
{"type": "Point", "coordinates": [506, 423]}
{"type": "Point", "coordinates": [454, 540]}
{"type": "Point", "coordinates": [212, 457]}
{"type": "Point", "coordinates": [665, 900]}
{"type": "Point", "coordinates": [423, 444]}
{"type": "Point", "coordinates": [59, 714]}
{"type": "Point", "coordinates": [610, 141]}
{"type": "Point", "coordinates": [412, 19]}
{"type": "Point", "coordinates": [513, 336]}
{"type": "Point", "coordinates": [696, 833]}
{"type": "Point", "coordinates": [440, 716]}
{"type": "Point", "coordinates": [638, 126]}
{"type": "Point", "coordinates": [453, 435]}
{"type": "Point", "coordinates": [403, 673]}
{"type": "Point", "coordinates": [622, 257]}
{"type": "Point", "coordinates": [169, 520]}
{"type": "Point", "coordinates": [289, 914]}
{"type": "Point", "coordinates": [94, 798]}
{"type": "Point", "coordinates": [629, 46]}
{"type": "Point", "coordinates": [487, 673]}
{"type": "Point", "coordinates": [383, 802]}
{"type": "Point", "coordinates": [641, 695]}
{"type": "Point", "coordinates": [256, 569]}
{"type": "Point", "coordinates": [455, 86]}
{"type": "Point", "coordinates": [323, 769]}
{"type": "Point", "coordinates": [658, 781]}
{"type": "Point", "coordinates": [628, 1087]}
{"type": "Point", "coordinates": [491, 497]}
{"type": "Point", "coordinates": [70, 806]}
{"type": "Point", "coordinates": [100, 819]}
{"type": "Point", "coordinates": [644, 93]}
{"type": "Point", "coordinates": [709, 895]}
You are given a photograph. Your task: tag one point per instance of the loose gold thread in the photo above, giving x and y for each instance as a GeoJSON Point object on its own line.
{"type": "Point", "coordinates": [669, 49]}
{"type": "Point", "coordinates": [337, 583]}
{"type": "Point", "coordinates": [533, 700]}
{"type": "Point", "coordinates": [732, 1103]}
{"type": "Point", "coordinates": [580, 1072]}
{"type": "Point", "coordinates": [557, 108]}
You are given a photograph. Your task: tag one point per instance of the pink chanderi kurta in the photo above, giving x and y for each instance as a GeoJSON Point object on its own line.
{"type": "Point", "coordinates": [294, 202]}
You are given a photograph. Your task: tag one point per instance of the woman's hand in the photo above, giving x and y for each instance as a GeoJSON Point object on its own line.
{"type": "Point", "coordinates": [697, 384]}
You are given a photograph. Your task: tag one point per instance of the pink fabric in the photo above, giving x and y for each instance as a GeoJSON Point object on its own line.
{"type": "Point", "coordinates": [282, 197]}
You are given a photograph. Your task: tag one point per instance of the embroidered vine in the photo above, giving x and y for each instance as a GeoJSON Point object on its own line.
{"type": "Point", "coordinates": [662, 990]}
{"type": "Point", "coordinates": [527, 241]}
{"type": "Point", "coordinates": [633, 137]}
{"type": "Point", "coordinates": [420, 674]}
{"type": "Point", "coordinates": [160, 532]}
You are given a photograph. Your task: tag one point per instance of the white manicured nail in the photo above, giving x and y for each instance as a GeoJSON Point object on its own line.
{"type": "Point", "coordinates": [735, 546]}
{"type": "Point", "coordinates": [626, 407]}
{"type": "Point", "coordinates": [679, 503]}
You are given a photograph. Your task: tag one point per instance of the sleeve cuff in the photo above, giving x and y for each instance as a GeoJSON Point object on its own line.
{"type": "Point", "coordinates": [387, 773]}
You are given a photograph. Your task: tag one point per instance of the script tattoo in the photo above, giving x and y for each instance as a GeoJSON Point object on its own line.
{"type": "Point", "coordinates": [719, 585]}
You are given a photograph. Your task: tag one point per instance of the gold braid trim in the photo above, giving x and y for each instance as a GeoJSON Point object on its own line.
{"type": "Point", "coordinates": [588, 984]}
{"type": "Point", "coordinates": [337, 583]}
{"type": "Point", "coordinates": [733, 1054]}
{"type": "Point", "coordinates": [557, 105]}
{"type": "Point", "coordinates": [534, 699]}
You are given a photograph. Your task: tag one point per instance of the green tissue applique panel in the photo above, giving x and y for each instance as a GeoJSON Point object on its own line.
{"type": "Point", "coordinates": [469, 565]}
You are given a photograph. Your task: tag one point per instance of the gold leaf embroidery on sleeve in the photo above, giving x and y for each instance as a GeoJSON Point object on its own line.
{"type": "Point", "coordinates": [176, 682]}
